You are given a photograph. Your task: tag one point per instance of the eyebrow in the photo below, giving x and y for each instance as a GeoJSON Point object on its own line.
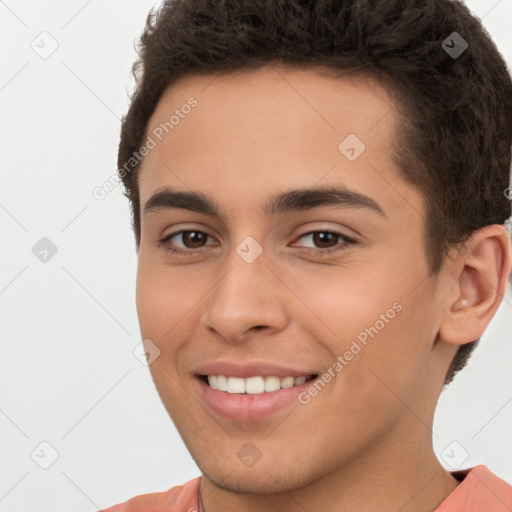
{"type": "Point", "coordinates": [282, 202]}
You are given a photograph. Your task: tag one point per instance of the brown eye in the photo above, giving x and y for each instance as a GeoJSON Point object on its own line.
{"type": "Point", "coordinates": [193, 239]}
{"type": "Point", "coordinates": [325, 239]}
{"type": "Point", "coordinates": [185, 241]}
{"type": "Point", "coordinates": [325, 242]}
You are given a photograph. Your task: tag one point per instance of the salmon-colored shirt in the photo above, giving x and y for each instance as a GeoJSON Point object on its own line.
{"type": "Point", "coordinates": [480, 490]}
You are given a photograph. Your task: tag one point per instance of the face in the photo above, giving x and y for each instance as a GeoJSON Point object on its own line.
{"type": "Point", "coordinates": [313, 313]}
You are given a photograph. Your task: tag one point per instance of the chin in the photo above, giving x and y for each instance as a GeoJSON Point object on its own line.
{"type": "Point", "coordinates": [269, 478]}
{"type": "Point", "coordinates": [261, 482]}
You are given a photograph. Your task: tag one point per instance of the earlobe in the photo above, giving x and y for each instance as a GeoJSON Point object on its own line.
{"type": "Point", "coordinates": [481, 277]}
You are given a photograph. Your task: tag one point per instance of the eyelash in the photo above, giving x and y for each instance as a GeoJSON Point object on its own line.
{"type": "Point", "coordinates": [317, 252]}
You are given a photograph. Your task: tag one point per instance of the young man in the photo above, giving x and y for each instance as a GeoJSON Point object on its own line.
{"type": "Point", "coordinates": [319, 193]}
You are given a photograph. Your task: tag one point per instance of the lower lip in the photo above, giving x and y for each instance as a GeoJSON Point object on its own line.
{"type": "Point", "coordinates": [247, 407]}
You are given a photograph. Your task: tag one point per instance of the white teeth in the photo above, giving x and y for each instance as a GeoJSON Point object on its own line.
{"type": "Point", "coordinates": [253, 385]}
{"type": "Point", "coordinates": [272, 383]}
{"type": "Point", "coordinates": [287, 382]}
{"type": "Point", "coordinates": [236, 385]}
{"type": "Point", "coordinates": [222, 383]}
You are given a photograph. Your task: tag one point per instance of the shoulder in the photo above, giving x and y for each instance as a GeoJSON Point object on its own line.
{"type": "Point", "coordinates": [480, 489]}
{"type": "Point", "coordinates": [181, 498]}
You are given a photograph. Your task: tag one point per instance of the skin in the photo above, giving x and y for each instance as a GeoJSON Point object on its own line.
{"type": "Point", "coordinates": [365, 441]}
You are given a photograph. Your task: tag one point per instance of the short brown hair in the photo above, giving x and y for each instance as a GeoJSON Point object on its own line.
{"type": "Point", "coordinates": [456, 110]}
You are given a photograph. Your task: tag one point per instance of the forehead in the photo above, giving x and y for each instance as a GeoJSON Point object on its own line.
{"type": "Point", "coordinates": [276, 127]}
{"type": "Point", "coordinates": [277, 95]}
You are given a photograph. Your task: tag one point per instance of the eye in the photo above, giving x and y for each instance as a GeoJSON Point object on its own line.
{"type": "Point", "coordinates": [325, 241]}
{"type": "Point", "coordinates": [191, 240]}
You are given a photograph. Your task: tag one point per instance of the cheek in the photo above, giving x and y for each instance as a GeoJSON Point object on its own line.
{"type": "Point", "coordinates": [167, 306]}
{"type": "Point", "coordinates": [343, 302]}
{"type": "Point", "coordinates": [380, 329]}
{"type": "Point", "coordinates": [162, 306]}
{"type": "Point", "coordinates": [163, 297]}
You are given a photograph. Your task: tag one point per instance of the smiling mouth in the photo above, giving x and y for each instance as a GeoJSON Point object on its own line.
{"type": "Point", "coordinates": [254, 385]}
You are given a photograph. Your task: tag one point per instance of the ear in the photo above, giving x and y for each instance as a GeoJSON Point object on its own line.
{"type": "Point", "coordinates": [479, 276]}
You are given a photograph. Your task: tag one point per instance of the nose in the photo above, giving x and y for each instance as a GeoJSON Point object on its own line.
{"type": "Point", "coordinates": [248, 297]}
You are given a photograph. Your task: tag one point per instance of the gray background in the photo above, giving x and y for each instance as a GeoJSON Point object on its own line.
{"type": "Point", "coordinates": [69, 376]}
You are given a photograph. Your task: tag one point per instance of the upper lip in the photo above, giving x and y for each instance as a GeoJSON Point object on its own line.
{"type": "Point", "coordinates": [249, 369]}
